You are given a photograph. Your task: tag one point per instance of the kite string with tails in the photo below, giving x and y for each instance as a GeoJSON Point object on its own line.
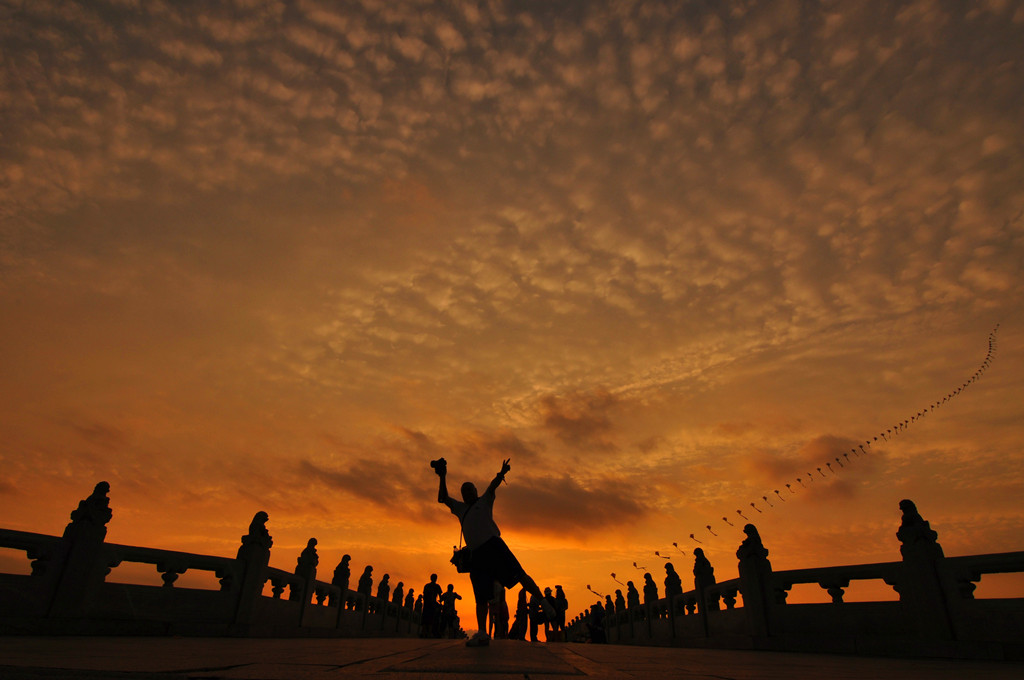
{"type": "Point", "coordinates": [842, 461]}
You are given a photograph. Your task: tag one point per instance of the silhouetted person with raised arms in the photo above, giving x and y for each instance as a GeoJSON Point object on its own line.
{"type": "Point", "coordinates": [431, 607]}
{"type": "Point", "coordinates": [492, 560]}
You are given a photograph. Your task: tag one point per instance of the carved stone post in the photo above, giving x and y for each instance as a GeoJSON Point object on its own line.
{"type": "Point", "coordinates": [922, 583]}
{"type": "Point", "coordinates": [756, 583]}
{"type": "Point", "coordinates": [80, 558]}
{"type": "Point", "coordinates": [252, 560]}
{"type": "Point", "coordinates": [305, 568]}
{"type": "Point", "coordinates": [703, 578]}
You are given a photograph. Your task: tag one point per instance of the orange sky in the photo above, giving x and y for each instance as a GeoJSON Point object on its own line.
{"type": "Point", "coordinates": [279, 256]}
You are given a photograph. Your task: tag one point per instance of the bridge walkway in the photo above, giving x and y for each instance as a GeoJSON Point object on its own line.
{"type": "Point", "coordinates": [158, 658]}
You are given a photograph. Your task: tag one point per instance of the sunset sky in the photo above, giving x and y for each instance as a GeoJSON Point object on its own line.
{"type": "Point", "coordinates": [665, 256]}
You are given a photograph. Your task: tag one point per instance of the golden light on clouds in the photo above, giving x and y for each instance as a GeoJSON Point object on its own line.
{"type": "Point", "coordinates": [278, 256]}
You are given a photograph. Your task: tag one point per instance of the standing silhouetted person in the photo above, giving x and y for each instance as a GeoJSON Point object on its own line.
{"type": "Point", "coordinates": [431, 608]}
{"type": "Point", "coordinates": [448, 613]}
{"type": "Point", "coordinates": [595, 624]}
{"type": "Point", "coordinates": [561, 607]}
{"type": "Point", "coordinates": [492, 560]}
{"type": "Point", "coordinates": [518, 629]}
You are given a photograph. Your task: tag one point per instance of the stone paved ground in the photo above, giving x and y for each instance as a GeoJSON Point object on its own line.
{"type": "Point", "coordinates": [387, 659]}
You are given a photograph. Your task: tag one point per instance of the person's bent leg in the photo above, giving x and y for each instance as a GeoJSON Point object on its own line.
{"type": "Point", "coordinates": [531, 587]}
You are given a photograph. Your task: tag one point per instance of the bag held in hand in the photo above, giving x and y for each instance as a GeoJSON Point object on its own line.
{"type": "Point", "coordinates": [462, 559]}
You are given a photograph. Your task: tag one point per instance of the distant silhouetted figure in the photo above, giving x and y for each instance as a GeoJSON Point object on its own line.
{"type": "Point", "coordinates": [549, 622]}
{"type": "Point", "coordinates": [431, 621]}
{"type": "Point", "coordinates": [492, 560]}
{"type": "Point", "coordinates": [595, 624]}
{"type": "Point", "coordinates": [620, 602]}
{"type": "Point", "coordinates": [365, 586]}
{"type": "Point", "coordinates": [342, 574]}
{"type": "Point", "coordinates": [703, 577]}
{"type": "Point", "coordinates": [561, 607]}
{"type": "Point", "coordinates": [497, 613]}
{"type": "Point", "coordinates": [418, 609]}
{"type": "Point", "coordinates": [91, 516]}
{"type": "Point", "coordinates": [650, 590]}
{"type": "Point", "coordinates": [537, 617]}
{"type": "Point", "coordinates": [448, 614]}
{"type": "Point", "coordinates": [518, 629]}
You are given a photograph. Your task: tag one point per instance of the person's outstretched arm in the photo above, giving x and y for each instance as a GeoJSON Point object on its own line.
{"type": "Point", "coordinates": [505, 467]}
{"type": "Point", "coordinates": [442, 487]}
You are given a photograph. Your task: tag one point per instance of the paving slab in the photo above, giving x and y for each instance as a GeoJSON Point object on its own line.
{"type": "Point", "coordinates": [145, 658]}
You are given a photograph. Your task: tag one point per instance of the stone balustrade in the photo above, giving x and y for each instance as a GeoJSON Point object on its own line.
{"type": "Point", "coordinates": [933, 611]}
{"type": "Point", "coordinates": [68, 590]}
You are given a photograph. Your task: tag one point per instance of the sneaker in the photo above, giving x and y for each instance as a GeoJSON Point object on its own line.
{"type": "Point", "coordinates": [549, 611]}
{"type": "Point", "coordinates": [481, 639]}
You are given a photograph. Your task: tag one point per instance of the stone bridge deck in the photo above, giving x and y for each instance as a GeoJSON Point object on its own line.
{"type": "Point", "coordinates": [129, 658]}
